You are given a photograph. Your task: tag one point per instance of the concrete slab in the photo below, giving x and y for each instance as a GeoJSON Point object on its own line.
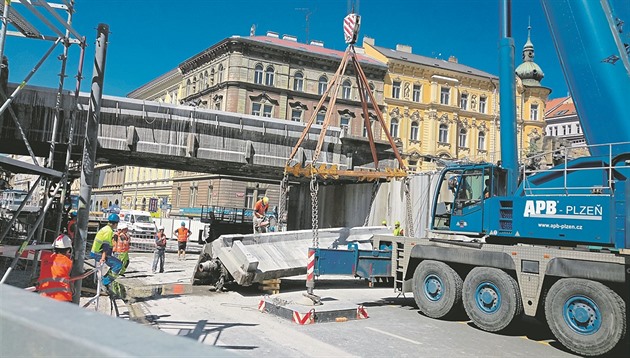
{"type": "Point", "coordinates": [302, 310]}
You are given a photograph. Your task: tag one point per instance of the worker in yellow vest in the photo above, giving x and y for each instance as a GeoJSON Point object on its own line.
{"type": "Point", "coordinates": [102, 249]}
{"type": "Point", "coordinates": [121, 246]}
{"type": "Point", "coordinates": [398, 231]}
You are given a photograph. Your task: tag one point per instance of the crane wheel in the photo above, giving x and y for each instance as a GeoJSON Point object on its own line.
{"type": "Point", "coordinates": [491, 298]}
{"type": "Point", "coordinates": [586, 316]}
{"type": "Point", "coordinates": [437, 288]}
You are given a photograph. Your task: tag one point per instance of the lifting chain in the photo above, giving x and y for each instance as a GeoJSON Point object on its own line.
{"type": "Point", "coordinates": [315, 210]}
{"type": "Point", "coordinates": [282, 212]}
{"type": "Point", "coordinates": [375, 188]}
{"type": "Point", "coordinates": [407, 184]}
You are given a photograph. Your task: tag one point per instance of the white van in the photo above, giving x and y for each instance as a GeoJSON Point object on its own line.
{"type": "Point", "coordinates": [139, 222]}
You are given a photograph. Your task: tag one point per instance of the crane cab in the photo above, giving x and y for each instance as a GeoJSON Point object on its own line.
{"type": "Point", "coordinates": [463, 195]}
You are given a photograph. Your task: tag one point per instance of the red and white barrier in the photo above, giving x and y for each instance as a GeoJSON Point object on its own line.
{"type": "Point", "coordinates": [307, 318]}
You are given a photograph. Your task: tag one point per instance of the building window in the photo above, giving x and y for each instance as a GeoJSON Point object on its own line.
{"type": "Point", "coordinates": [413, 165]}
{"type": "Point", "coordinates": [393, 128]}
{"type": "Point", "coordinates": [416, 93]}
{"type": "Point", "coordinates": [192, 201]}
{"type": "Point", "coordinates": [396, 89]}
{"type": "Point", "coordinates": [296, 114]}
{"type": "Point", "coordinates": [209, 199]}
{"type": "Point", "coordinates": [346, 89]}
{"type": "Point", "coordinates": [322, 85]}
{"type": "Point", "coordinates": [320, 117]}
{"type": "Point", "coordinates": [269, 76]}
{"type": "Point", "coordinates": [298, 82]}
{"type": "Point", "coordinates": [443, 133]}
{"type": "Point", "coordinates": [367, 96]}
{"type": "Point", "coordinates": [344, 122]}
{"type": "Point", "coordinates": [258, 75]}
{"type": "Point", "coordinates": [217, 105]}
{"type": "Point", "coordinates": [414, 131]}
{"type": "Point", "coordinates": [211, 77]}
{"type": "Point", "coordinates": [481, 141]}
{"type": "Point", "coordinates": [188, 87]}
{"type": "Point", "coordinates": [260, 109]}
{"type": "Point", "coordinates": [365, 129]}
{"type": "Point", "coordinates": [194, 84]}
{"type": "Point", "coordinates": [534, 112]}
{"type": "Point", "coordinates": [482, 104]}
{"type": "Point", "coordinates": [463, 101]}
{"type": "Point", "coordinates": [178, 198]}
{"type": "Point", "coordinates": [220, 74]}
{"type": "Point", "coordinates": [463, 136]}
{"type": "Point", "coordinates": [577, 126]}
{"type": "Point", "coordinates": [249, 198]}
{"type": "Point", "coordinates": [445, 95]}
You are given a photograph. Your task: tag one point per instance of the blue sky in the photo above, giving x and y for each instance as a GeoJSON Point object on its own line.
{"type": "Point", "coordinates": [150, 37]}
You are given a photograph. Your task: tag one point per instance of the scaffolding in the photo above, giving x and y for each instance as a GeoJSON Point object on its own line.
{"type": "Point", "coordinates": [50, 22]}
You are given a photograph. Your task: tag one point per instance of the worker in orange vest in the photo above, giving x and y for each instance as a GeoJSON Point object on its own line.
{"type": "Point", "coordinates": [121, 246]}
{"type": "Point", "coordinates": [182, 238]}
{"type": "Point", "coordinates": [72, 225]}
{"type": "Point", "coordinates": [54, 276]}
{"type": "Point", "coordinates": [260, 210]}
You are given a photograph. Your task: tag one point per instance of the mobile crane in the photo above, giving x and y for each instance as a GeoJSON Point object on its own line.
{"type": "Point", "coordinates": [503, 242]}
{"type": "Point", "coordinates": [554, 243]}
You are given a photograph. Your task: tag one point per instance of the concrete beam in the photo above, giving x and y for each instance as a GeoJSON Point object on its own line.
{"type": "Point", "coordinates": [135, 132]}
{"type": "Point", "coordinates": [34, 326]}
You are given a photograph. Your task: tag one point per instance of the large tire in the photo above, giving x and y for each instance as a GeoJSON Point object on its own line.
{"type": "Point", "coordinates": [585, 316]}
{"type": "Point", "coordinates": [437, 288]}
{"type": "Point", "coordinates": [491, 298]}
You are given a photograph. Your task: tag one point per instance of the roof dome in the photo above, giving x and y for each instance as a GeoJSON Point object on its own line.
{"type": "Point", "coordinates": [529, 71]}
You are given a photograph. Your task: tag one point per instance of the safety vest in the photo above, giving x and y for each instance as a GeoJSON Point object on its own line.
{"type": "Point", "coordinates": [261, 208]}
{"type": "Point", "coordinates": [398, 231]}
{"type": "Point", "coordinates": [182, 234]}
{"type": "Point", "coordinates": [122, 244]}
{"type": "Point", "coordinates": [54, 277]}
{"type": "Point", "coordinates": [103, 236]}
{"type": "Point", "coordinates": [71, 226]}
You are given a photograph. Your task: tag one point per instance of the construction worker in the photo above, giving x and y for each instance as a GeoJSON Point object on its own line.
{"type": "Point", "coordinates": [54, 275]}
{"type": "Point", "coordinates": [102, 249]}
{"type": "Point", "coordinates": [72, 225]}
{"type": "Point", "coordinates": [121, 246]}
{"type": "Point", "coordinates": [398, 231]}
{"type": "Point", "coordinates": [160, 248]}
{"type": "Point", "coordinates": [260, 210]}
{"type": "Point", "coordinates": [182, 238]}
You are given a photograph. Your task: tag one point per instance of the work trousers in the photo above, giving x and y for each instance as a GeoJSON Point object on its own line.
{"type": "Point", "coordinates": [158, 257]}
{"type": "Point", "coordinates": [115, 265]}
{"type": "Point", "coordinates": [124, 258]}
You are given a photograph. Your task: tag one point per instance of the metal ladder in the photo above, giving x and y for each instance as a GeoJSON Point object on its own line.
{"type": "Point", "coordinates": [399, 274]}
{"type": "Point", "coordinates": [99, 285]}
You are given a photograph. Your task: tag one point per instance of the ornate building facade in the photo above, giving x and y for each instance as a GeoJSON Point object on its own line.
{"type": "Point", "coordinates": [444, 109]}
{"type": "Point", "coordinates": [267, 76]}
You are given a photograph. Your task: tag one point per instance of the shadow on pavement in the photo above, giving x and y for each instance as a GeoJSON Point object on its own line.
{"type": "Point", "coordinates": [530, 328]}
{"type": "Point", "coordinates": [297, 285]}
{"type": "Point", "coordinates": [202, 330]}
{"type": "Point", "coordinates": [392, 301]}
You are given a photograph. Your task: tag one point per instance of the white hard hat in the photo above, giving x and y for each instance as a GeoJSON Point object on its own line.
{"type": "Point", "coordinates": [122, 226]}
{"type": "Point", "coordinates": [62, 242]}
{"type": "Point", "coordinates": [160, 227]}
